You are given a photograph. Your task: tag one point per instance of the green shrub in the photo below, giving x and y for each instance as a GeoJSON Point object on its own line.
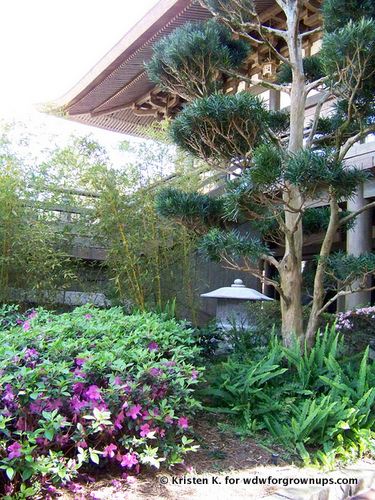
{"type": "Point", "coordinates": [92, 385]}
{"type": "Point", "coordinates": [318, 401]}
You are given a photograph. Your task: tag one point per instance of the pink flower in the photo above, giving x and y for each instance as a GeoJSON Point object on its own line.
{"type": "Point", "coordinates": [194, 374]}
{"type": "Point", "coordinates": [31, 352]}
{"type": "Point", "coordinates": [183, 422]}
{"type": "Point", "coordinates": [153, 346]}
{"type": "Point", "coordinates": [145, 414]}
{"type": "Point", "coordinates": [93, 393]}
{"type": "Point", "coordinates": [8, 396]}
{"type": "Point", "coordinates": [134, 411]}
{"type": "Point", "coordinates": [119, 420]}
{"type": "Point", "coordinates": [145, 429]}
{"type": "Point", "coordinates": [88, 316]}
{"type": "Point", "coordinates": [117, 484]}
{"type": "Point", "coordinates": [32, 315]}
{"type": "Point", "coordinates": [168, 419]}
{"type": "Point", "coordinates": [109, 451]}
{"type": "Point", "coordinates": [25, 326]}
{"type": "Point", "coordinates": [77, 404]}
{"type": "Point", "coordinates": [129, 460]}
{"type": "Point", "coordinates": [14, 450]}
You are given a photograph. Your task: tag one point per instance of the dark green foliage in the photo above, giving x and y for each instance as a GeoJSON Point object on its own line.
{"type": "Point", "coordinates": [267, 167]}
{"type": "Point", "coordinates": [188, 60]}
{"type": "Point", "coordinates": [327, 126]}
{"type": "Point", "coordinates": [319, 400]}
{"type": "Point", "coordinates": [218, 244]}
{"type": "Point", "coordinates": [196, 211]}
{"type": "Point", "coordinates": [222, 129]}
{"type": "Point", "coordinates": [312, 66]}
{"type": "Point", "coordinates": [315, 171]}
{"type": "Point", "coordinates": [348, 55]}
{"type": "Point", "coordinates": [348, 268]}
{"type": "Point", "coordinates": [317, 219]}
{"type": "Point", "coordinates": [337, 13]}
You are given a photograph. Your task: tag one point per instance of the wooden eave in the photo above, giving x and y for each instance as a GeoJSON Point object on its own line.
{"type": "Point", "coordinates": [117, 95]}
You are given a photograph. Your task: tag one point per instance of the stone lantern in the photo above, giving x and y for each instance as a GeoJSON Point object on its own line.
{"type": "Point", "coordinates": [231, 304]}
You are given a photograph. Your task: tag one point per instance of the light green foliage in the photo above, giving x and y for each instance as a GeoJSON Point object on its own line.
{"type": "Point", "coordinates": [146, 254]}
{"type": "Point", "coordinates": [34, 255]}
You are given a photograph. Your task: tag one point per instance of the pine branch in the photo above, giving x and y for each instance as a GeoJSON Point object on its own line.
{"type": "Point", "coordinates": [318, 109]}
{"type": "Point", "coordinates": [351, 216]}
{"type": "Point", "coordinates": [356, 138]}
{"type": "Point", "coordinates": [250, 81]}
{"type": "Point", "coordinates": [343, 293]}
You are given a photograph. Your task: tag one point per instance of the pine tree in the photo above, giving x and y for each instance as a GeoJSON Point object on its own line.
{"type": "Point", "coordinates": [282, 171]}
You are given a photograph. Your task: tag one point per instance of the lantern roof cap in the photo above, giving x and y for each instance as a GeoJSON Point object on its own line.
{"type": "Point", "coordinates": [236, 291]}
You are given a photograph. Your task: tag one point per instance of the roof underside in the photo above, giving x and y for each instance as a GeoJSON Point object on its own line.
{"type": "Point", "coordinates": [117, 95]}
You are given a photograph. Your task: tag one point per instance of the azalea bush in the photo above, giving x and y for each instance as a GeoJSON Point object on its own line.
{"type": "Point", "coordinates": [92, 386]}
{"type": "Point", "coordinates": [358, 327]}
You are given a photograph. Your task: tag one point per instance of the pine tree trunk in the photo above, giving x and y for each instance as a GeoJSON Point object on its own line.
{"type": "Point", "coordinates": [291, 265]}
{"type": "Point", "coordinates": [319, 292]}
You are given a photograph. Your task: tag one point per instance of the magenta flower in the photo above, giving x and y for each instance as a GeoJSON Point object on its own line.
{"type": "Point", "coordinates": [109, 451]}
{"type": "Point", "coordinates": [129, 460]}
{"type": "Point", "coordinates": [145, 429]}
{"type": "Point", "coordinates": [32, 315]}
{"type": "Point", "coordinates": [31, 352]}
{"type": "Point", "coordinates": [77, 404]}
{"type": "Point", "coordinates": [134, 411]}
{"type": "Point", "coordinates": [25, 326]}
{"type": "Point", "coordinates": [183, 422]}
{"type": "Point", "coordinates": [14, 450]}
{"type": "Point", "coordinates": [93, 393]}
{"type": "Point", "coordinates": [153, 346]}
{"type": "Point", "coordinates": [8, 395]}
{"type": "Point", "coordinates": [145, 414]}
{"type": "Point", "coordinates": [88, 316]}
{"type": "Point", "coordinates": [119, 420]}
{"type": "Point", "coordinates": [168, 419]}
{"type": "Point", "coordinates": [117, 484]}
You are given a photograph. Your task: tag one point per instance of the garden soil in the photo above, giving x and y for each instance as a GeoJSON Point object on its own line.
{"type": "Point", "coordinates": [225, 466]}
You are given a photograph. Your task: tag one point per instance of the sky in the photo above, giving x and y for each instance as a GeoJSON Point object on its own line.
{"type": "Point", "coordinates": [47, 46]}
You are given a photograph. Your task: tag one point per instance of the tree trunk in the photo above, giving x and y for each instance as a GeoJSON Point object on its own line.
{"type": "Point", "coordinates": [319, 293]}
{"type": "Point", "coordinates": [291, 265]}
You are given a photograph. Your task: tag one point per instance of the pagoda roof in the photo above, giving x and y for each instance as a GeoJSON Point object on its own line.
{"type": "Point", "coordinates": [117, 94]}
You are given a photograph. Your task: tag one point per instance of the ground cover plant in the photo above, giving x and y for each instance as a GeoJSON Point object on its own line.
{"type": "Point", "coordinates": [318, 405]}
{"type": "Point", "coordinates": [91, 386]}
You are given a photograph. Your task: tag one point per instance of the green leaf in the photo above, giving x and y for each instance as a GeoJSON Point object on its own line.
{"type": "Point", "coordinates": [10, 473]}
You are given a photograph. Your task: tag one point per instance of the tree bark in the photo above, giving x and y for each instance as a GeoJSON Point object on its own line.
{"type": "Point", "coordinates": [291, 265]}
{"type": "Point", "coordinates": [319, 293]}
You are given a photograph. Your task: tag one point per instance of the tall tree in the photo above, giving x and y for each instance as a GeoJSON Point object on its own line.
{"type": "Point", "coordinates": [283, 171]}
